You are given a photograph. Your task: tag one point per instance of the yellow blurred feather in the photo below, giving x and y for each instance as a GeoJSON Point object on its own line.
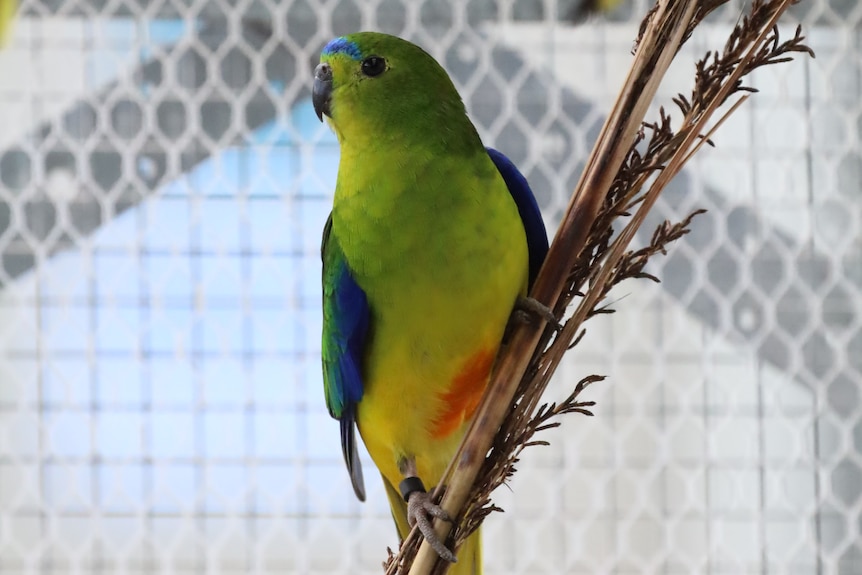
{"type": "Point", "coordinates": [588, 8]}
{"type": "Point", "coordinates": [7, 13]}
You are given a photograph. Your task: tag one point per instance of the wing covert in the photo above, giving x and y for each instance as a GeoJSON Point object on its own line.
{"type": "Point", "coordinates": [531, 216]}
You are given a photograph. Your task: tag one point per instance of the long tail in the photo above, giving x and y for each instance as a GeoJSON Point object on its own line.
{"type": "Point", "coordinates": [470, 552]}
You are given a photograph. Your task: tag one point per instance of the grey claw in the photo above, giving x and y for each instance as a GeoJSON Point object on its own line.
{"type": "Point", "coordinates": [419, 509]}
{"type": "Point", "coordinates": [525, 306]}
{"type": "Point", "coordinates": [437, 511]}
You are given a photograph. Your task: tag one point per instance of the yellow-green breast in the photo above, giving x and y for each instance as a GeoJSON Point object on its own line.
{"type": "Point", "coordinates": [439, 248]}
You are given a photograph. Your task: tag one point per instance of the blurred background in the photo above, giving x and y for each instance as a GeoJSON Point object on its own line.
{"type": "Point", "coordinates": [163, 186]}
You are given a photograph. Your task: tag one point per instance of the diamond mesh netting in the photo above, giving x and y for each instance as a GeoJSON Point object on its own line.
{"type": "Point", "coordinates": [163, 186]}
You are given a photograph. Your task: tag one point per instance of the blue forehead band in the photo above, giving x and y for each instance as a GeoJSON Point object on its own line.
{"type": "Point", "coordinates": [342, 46]}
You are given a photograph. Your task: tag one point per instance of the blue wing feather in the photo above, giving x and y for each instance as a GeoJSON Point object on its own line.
{"type": "Point", "coordinates": [345, 326]}
{"type": "Point", "coordinates": [531, 216]}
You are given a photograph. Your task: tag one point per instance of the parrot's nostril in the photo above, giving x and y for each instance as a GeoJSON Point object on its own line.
{"type": "Point", "coordinates": [323, 72]}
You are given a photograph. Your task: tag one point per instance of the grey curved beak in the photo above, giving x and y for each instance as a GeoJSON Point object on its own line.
{"type": "Point", "coordinates": [321, 93]}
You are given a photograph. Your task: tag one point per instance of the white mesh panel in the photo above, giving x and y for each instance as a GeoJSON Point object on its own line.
{"type": "Point", "coordinates": [163, 186]}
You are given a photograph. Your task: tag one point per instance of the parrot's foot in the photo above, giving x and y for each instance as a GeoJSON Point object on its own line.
{"type": "Point", "coordinates": [421, 510]}
{"type": "Point", "coordinates": [525, 307]}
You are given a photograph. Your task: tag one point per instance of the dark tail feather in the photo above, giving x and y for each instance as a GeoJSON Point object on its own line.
{"type": "Point", "coordinates": [351, 455]}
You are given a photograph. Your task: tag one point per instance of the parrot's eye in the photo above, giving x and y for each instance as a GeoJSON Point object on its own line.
{"type": "Point", "coordinates": [373, 66]}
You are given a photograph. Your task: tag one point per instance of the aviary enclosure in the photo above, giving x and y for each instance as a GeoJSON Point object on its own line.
{"type": "Point", "coordinates": [163, 185]}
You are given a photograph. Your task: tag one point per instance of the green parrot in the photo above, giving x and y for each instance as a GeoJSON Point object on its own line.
{"type": "Point", "coordinates": [432, 241]}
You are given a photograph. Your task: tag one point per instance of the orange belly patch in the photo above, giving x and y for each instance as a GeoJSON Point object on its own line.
{"type": "Point", "coordinates": [462, 399]}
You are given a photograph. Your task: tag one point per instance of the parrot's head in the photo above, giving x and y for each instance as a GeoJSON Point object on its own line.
{"type": "Point", "coordinates": [373, 85]}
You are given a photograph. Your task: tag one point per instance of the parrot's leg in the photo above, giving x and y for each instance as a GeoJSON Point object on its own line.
{"type": "Point", "coordinates": [421, 509]}
{"type": "Point", "coordinates": [530, 306]}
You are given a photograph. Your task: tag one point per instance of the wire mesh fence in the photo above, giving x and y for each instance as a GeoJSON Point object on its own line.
{"type": "Point", "coordinates": [163, 185]}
